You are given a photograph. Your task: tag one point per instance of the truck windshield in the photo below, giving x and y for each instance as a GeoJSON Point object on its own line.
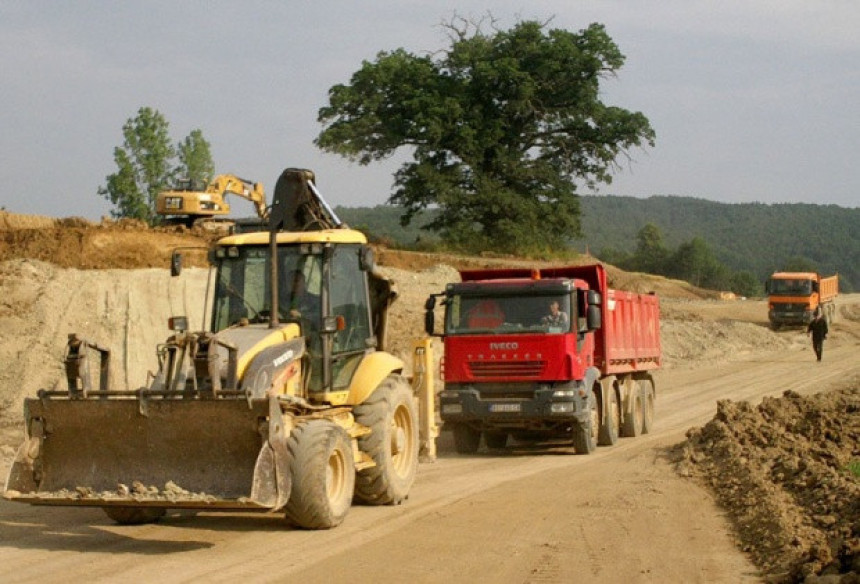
{"type": "Point", "coordinates": [243, 290]}
{"type": "Point", "coordinates": [470, 314]}
{"type": "Point", "coordinates": [796, 287]}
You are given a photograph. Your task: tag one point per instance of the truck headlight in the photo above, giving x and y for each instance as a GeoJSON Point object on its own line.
{"type": "Point", "coordinates": [452, 408]}
{"type": "Point", "coordinates": [564, 393]}
{"type": "Point", "coordinates": [561, 407]}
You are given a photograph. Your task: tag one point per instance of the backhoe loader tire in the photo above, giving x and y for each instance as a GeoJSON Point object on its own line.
{"type": "Point", "coordinates": [466, 439]}
{"type": "Point", "coordinates": [323, 474]}
{"type": "Point", "coordinates": [134, 515]}
{"type": "Point", "coordinates": [390, 414]}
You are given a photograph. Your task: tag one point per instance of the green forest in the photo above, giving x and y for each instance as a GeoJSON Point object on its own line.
{"type": "Point", "coordinates": [753, 239]}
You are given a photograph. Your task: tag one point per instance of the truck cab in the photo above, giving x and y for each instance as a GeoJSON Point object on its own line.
{"type": "Point", "coordinates": [793, 297]}
{"type": "Point", "coordinates": [519, 357]}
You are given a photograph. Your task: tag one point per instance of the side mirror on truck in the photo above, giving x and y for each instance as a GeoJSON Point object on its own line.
{"type": "Point", "coordinates": [429, 315]}
{"type": "Point", "coordinates": [593, 317]}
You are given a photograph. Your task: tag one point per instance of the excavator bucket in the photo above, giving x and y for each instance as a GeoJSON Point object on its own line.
{"type": "Point", "coordinates": [154, 452]}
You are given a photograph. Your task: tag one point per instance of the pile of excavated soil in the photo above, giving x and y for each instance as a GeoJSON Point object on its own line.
{"type": "Point", "coordinates": [788, 472]}
{"type": "Point", "coordinates": [77, 243]}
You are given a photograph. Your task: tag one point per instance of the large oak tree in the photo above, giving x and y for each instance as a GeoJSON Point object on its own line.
{"type": "Point", "coordinates": [502, 127]}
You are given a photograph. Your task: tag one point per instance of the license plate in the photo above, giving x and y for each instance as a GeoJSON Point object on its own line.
{"type": "Point", "coordinates": [498, 408]}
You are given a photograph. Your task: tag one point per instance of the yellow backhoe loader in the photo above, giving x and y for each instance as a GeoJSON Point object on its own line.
{"type": "Point", "coordinates": [192, 201]}
{"type": "Point", "coordinates": [287, 402]}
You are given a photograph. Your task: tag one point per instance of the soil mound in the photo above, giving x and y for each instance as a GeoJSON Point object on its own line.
{"type": "Point", "coordinates": [788, 473]}
{"type": "Point", "coordinates": [77, 243]}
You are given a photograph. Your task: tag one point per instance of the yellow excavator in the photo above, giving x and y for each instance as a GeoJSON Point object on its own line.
{"type": "Point", "coordinates": [191, 201]}
{"type": "Point", "coordinates": [287, 401]}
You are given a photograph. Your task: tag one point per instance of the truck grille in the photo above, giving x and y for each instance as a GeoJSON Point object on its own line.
{"type": "Point", "coordinates": [521, 369]}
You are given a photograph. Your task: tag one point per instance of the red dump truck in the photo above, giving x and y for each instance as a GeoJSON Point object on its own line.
{"type": "Point", "coordinates": [546, 354]}
{"type": "Point", "coordinates": [793, 297]}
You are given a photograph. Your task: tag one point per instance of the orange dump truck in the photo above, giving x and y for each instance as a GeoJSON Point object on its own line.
{"type": "Point", "coordinates": [793, 297]}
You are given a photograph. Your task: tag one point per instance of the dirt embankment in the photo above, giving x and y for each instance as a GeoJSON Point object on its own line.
{"type": "Point", "coordinates": [785, 471]}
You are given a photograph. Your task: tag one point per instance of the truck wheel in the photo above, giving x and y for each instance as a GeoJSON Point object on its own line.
{"type": "Point", "coordinates": [466, 439]}
{"type": "Point", "coordinates": [647, 406]}
{"type": "Point", "coordinates": [585, 435]}
{"type": "Point", "coordinates": [608, 434]}
{"type": "Point", "coordinates": [633, 417]}
{"type": "Point", "coordinates": [323, 473]}
{"type": "Point", "coordinates": [496, 440]}
{"type": "Point", "coordinates": [134, 515]}
{"type": "Point", "coordinates": [390, 414]}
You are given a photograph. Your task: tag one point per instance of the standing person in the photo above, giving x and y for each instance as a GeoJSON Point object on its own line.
{"type": "Point", "coordinates": [818, 329]}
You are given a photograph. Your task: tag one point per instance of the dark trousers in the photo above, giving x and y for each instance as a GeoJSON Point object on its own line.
{"type": "Point", "coordinates": [818, 347]}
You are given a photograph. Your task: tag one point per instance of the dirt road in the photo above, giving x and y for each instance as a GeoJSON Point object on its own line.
{"type": "Point", "coordinates": [620, 515]}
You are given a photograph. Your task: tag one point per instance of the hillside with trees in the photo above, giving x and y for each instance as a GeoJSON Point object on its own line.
{"type": "Point", "coordinates": [754, 237]}
{"type": "Point", "coordinates": [750, 238]}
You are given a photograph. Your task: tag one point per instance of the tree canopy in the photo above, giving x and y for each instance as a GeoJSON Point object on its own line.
{"type": "Point", "coordinates": [147, 164]}
{"type": "Point", "coordinates": [501, 127]}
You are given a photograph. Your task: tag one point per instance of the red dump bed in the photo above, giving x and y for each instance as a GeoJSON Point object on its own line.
{"type": "Point", "coordinates": [630, 337]}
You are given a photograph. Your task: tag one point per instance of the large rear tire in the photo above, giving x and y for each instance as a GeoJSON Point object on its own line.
{"type": "Point", "coordinates": [609, 427]}
{"type": "Point", "coordinates": [134, 515]}
{"type": "Point", "coordinates": [634, 415]}
{"type": "Point", "coordinates": [647, 406]}
{"type": "Point", "coordinates": [466, 439]}
{"type": "Point", "coordinates": [323, 473]}
{"type": "Point", "coordinates": [392, 443]}
{"type": "Point", "coordinates": [585, 434]}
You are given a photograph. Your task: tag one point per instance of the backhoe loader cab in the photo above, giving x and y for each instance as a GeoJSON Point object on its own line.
{"type": "Point", "coordinates": [327, 286]}
{"type": "Point", "coordinates": [287, 402]}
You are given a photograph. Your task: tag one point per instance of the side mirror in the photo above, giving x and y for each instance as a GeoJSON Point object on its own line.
{"type": "Point", "coordinates": [593, 317]}
{"type": "Point", "coordinates": [429, 322]}
{"type": "Point", "coordinates": [365, 259]}
{"type": "Point", "coordinates": [175, 264]}
{"type": "Point", "coordinates": [430, 303]}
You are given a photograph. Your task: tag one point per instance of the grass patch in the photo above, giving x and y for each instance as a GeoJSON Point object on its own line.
{"type": "Point", "coordinates": [854, 468]}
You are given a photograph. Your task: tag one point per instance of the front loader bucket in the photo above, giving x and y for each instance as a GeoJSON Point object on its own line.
{"type": "Point", "coordinates": [181, 453]}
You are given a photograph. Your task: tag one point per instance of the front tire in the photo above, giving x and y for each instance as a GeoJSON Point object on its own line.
{"type": "Point", "coordinates": [466, 439]}
{"type": "Point", "coordinates": [585, 434]}
{"type": "Point", "coordinates": [496, 440]}
{"type": "Point", "coordinates": [390, 414]}
{"type": "Point", "coordinates": [323, 474]}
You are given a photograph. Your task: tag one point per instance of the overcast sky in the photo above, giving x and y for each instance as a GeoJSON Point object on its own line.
{"type": "Point", "coordinates": [751, 100]}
